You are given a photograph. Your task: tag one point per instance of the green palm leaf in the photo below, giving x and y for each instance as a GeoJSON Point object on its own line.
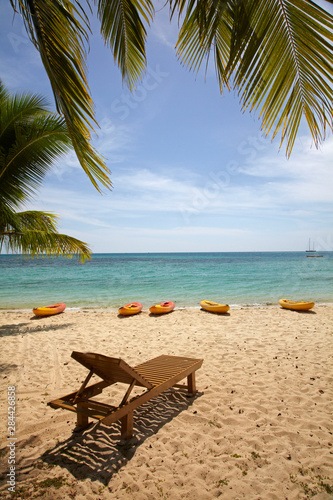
{"type": "Point", "coordinates": [124, 32]}
{"type": "Point", "coordinates": [35, 233]}
{"type": "Point", "coordinates": [206, 28]}
{"type": "Point", "coordinates": [298, 38]}
{"type": "Point", "coordinates": [31, 139]}
{"type": "Point", "coordinates": [277, 53]}
{"type": "Point", "coordinates": [59, 30]}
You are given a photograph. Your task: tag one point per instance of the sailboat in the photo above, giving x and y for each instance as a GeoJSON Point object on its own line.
{"type": "Point", "coordinates": [312, 250]}
{"type": "Point", "coordinates": [309, 249]}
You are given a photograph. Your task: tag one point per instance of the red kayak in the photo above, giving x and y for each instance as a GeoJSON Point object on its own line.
{"type": "Point", "coordinates": [129, 309]}
{"type": "Point", "coordinates": [162, 307]}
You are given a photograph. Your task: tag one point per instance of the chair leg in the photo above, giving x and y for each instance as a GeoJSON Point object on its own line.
{"type": "Point", "coordinates": [191, 383]}
{"type": "Point", "coordinates": [127, 426]}
{"type": "Point", "coordinates": [82, 419]}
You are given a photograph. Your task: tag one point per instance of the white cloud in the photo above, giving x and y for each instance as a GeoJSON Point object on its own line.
{"type": "Point", "coordinates": [306, 178]}
{"type": "Point", "coordinates": [162, 29]}
{"type": "Point", "coordinates": [111, 138]}
{"type": "Point", "coordinates": [306, 161]}
{"type": "Point", "coordinates": [301, 187]}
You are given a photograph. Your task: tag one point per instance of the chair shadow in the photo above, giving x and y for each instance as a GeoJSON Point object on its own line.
{"type": "Point", "coordinates": [97, 453]}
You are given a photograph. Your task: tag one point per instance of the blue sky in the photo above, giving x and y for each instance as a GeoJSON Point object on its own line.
{"type": "Point", "coordinates": [190, 170]}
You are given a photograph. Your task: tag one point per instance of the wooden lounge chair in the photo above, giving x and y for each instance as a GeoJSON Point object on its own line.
{"type": "Point", "coordinates": [155, 375]}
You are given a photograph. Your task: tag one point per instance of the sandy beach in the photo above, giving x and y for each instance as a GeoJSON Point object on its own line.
{"type": "Point", "coordinates": [260, 426]}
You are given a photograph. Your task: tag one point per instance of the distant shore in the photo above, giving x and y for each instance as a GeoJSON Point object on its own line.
{"type": "Point", "coordinates": [259, 427]}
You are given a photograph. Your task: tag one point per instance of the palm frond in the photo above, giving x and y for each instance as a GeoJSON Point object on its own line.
{"type": "Point", "coordinates": [17, 108]}
{"type": "Point", "coordinates": [59, 30]}
{"type": "Point", "coordinates": [3, 91]}
{"type": "Point", "coordinates": [35, 233]}
{"type": "Point", "coordinates": [31, 139]}
{"type": "Point", "coordinates": [28, 221]}
{"type": "Point", "coordinates": [124, 31]}
{"type": "Point", "coordinates": [277, 53]}
{"type": "Point", "coordinates": [206, 24]}
{"type": "Point", "coordinates": [286, 68]}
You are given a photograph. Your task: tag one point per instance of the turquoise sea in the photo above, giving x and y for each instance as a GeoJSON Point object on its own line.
{"type": "Point", "coordinates": [112, 280]}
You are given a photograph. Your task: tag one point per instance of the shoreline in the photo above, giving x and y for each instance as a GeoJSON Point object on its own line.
{"type": "Point", "coordinates": [145, 310]}
{"type": "Point", "coordinates": [259, 427]}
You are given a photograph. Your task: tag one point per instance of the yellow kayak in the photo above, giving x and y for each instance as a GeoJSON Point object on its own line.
{"type": "Point", "coordinates": [208, 305]}
{"type": "Point", "coordinates": [296, 305]}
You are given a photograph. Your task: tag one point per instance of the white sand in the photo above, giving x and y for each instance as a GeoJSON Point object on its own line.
{"type": "Point", "coordinates": [259, 428]}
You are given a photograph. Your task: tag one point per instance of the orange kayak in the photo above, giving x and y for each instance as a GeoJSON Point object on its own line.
{"type": "Point", "coordinates": [162, 307]}
{"type": "Point", "coordinates": [49, 310]}
{"type": "Point", "coordinates": [129, 309]}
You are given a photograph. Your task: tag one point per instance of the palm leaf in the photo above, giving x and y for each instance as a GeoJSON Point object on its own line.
{"type": "Point", "coordinates": [35, 233]}
{"type": "Point", "coordinates": [16, 109]}
{"type": "Point", "coordinates": [31, 139]}
{"type": "Point", "coordinates": [3, 92]}
{"type": "Point", "coordinates": [59, 30]}
{"type": "Point", "coordinates": [278, 54]}
{"type": "Point", "coordinates": [205, 25]}
{"type": "Point", "coordinates": [124, 31]}
{"type": "Point", "coordinates": [293, 73]}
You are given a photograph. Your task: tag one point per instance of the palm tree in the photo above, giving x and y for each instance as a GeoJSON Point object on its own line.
{"type": "Point", "coordinates": [276, 53]}
{"type": "Point", "coordinates": [31, 138]}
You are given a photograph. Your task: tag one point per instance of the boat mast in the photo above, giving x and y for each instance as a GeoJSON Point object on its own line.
{"type": "Point", "coordinates": [309, 250]}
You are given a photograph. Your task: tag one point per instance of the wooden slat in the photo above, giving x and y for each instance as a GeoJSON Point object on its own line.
{"type": "Point", "coordinates": [160, 369]}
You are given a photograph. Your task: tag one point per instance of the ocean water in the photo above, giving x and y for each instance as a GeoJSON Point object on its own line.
{"type": "Point", "coordinates": [112, 280]}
